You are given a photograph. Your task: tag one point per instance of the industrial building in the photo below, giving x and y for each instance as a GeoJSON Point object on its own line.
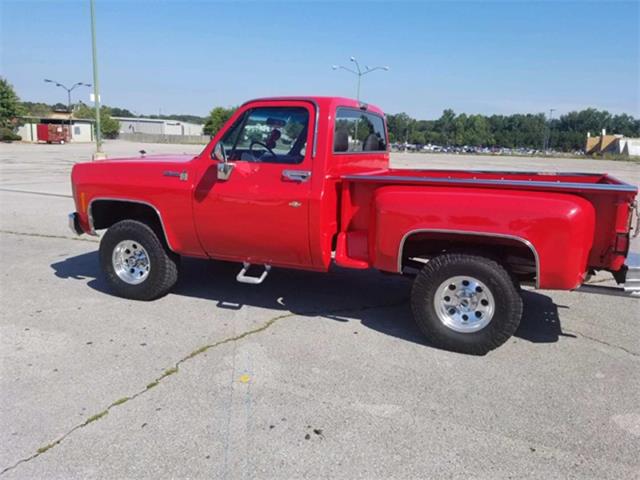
{"type": "Point", "coordinates": [56, 128]}
{"type": "Point", "coordinates": [616, 144]}
{"type": "Point", "coordinates": [158, 126]}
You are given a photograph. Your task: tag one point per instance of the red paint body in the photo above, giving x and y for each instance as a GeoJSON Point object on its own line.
{"type": "Point", "coordinates": [357, 207]}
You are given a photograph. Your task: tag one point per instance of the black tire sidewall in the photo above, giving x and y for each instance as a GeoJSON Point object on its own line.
{"type": "Point", "coordinates": [155, 284]}
{"type": "Point", "coordinates": [507, 310]}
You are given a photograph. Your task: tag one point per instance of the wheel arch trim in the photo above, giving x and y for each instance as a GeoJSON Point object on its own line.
{"type": "Point", "coordinates": [127, 200]}
{"type": "Point", "coordinates": [516, 238]}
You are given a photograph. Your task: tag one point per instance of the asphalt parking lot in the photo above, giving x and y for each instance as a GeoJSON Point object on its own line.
{"type": "Point", "coordinates": [307, 375]}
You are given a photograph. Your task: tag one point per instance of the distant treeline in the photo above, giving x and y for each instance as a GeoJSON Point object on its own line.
{"type": "Point", "coordinates": [566, 133]}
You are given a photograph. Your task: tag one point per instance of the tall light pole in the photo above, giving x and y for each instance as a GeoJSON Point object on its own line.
{"type": "Point", "coordinates": [547, 139]}
{"type": "Point", "coordinates": [551, 110]}
{"type": "Point", "coordinates": [96, 88]}
{"type": "Point", "coordinates": [69, 90]}
{"type": "Point", "coordinates": [359, 72]}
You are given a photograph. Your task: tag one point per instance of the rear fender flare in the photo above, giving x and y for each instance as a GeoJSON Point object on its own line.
{"type": "Point", "coordinates": [524, 241]}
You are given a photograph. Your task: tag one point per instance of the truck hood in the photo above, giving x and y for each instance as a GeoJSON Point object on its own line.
{"type": "Point", "coordinates": [149, 159]}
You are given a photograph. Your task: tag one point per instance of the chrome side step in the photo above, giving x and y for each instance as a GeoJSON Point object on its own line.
{"type": "Point", "coordinates": [632, 281]}
{"type": "Point", "coordinates": [630, 288]}
{"type": "Point", "coordinates": [242, 277]}
{"type": "Point", "coordinates": [607, 290]}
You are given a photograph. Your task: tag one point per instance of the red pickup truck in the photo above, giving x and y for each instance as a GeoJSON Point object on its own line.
{"type": "Point", "coordinates": [304, 182]}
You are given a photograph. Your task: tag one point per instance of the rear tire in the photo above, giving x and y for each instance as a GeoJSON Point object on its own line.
{"type": "Point", "coordinates": [466, 303]}
{"type": "Point", "coordinates": [136, 263]}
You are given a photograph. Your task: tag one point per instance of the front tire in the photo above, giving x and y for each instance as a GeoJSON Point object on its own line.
{"type": "Point", "coordinates": [136, 263]}
{"type": "Point", "coordinates": [466, 303]}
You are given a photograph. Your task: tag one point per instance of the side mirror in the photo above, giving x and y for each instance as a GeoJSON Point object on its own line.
{"type": "Point", "coordinates": [219, 153]}
{"type": "Point", "coordinates": [224, 167]}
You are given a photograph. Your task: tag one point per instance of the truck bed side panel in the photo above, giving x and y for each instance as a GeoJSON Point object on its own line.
{"type": "Point", "coordinates": [559, 226]}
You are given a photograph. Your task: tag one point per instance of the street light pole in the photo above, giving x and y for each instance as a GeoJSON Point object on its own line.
{"type": "Point", "coordinates": [551, 110]}
{"type": "Point", "coordinates": [96, 88]}
{"type": "Point", "coordinates": [69, 90]}
{"type": "Point", "coordinates": [547, 134]}
{"type": "Point", "coordinates": [358, 72]}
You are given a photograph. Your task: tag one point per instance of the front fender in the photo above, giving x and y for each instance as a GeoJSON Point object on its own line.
{"type": "Point", "coordinates": [558, 227]}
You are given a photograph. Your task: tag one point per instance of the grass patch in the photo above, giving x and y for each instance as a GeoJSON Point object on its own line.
{"type": "Point", "coordinates": [95, 417]}
{"type": "Point", "coordinates": [46, 447]}
{"type": "Point", "coordinates": [120, 401]}
{"type": "Point", "coordinates": [197, 352]}
{"type": "Point", "coordinates": [169, 371]}
{"type": "Point", "coordinates": [615, 157]}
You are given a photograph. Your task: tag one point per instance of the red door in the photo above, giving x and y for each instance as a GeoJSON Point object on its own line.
{"type": "Point", "coordinates": [260, 213]}
{"type": "Point", "coordinates": [43, 132]}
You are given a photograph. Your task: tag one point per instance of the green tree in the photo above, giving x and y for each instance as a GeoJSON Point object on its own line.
{"type": "Point", "coordinates": [445, 126]}
{"type": "Point", "coordinates": [478, 131]}
{"type": "Point", "coordinates": [36, 109]}
{"type": "Point", "coordinates": [122, 112]}
{"type": "Point", "coordinates": [10, 111]}
{"type": "Point", "coordinates": [217, 118]}
{"type": "Point", "coordinates": [399, 127]}
{"type": "Point", "coordinates": [109, 126]}
{"type": "Point", "coordinates": [10, 106]}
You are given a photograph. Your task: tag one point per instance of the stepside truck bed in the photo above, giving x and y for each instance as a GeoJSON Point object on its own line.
{"type": "Point", "coordinates": [610, 198]}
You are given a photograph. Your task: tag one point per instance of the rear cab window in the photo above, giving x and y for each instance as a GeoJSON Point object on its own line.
{"type": "Point", "coordinates": [358, 131]}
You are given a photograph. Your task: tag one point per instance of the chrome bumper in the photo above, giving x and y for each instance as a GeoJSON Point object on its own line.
{"type": "Point", "coordinates": [74, 223]}
{"type": "Point", "coordinates": [632, 280]}
{"type": "Point", "coordinates": [628, 279]}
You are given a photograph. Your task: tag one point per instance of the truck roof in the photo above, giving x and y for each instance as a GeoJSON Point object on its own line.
{"type": "Point", "coordinates": [323, 101]}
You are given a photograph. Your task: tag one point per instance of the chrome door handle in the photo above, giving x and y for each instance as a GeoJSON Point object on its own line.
{"type": "Point", "coordinates": [296, 175]}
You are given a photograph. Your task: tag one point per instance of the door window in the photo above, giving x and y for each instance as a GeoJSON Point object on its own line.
{"type": "Point", "coordinates": [269, 134]}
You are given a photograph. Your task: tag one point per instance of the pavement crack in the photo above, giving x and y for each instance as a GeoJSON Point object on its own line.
{"type": "Point", "coordinates": [603, 342]}
{"type": "Point", "coordinates": [175, 369]}
{"type": "Point", "coordinates": [46, 235]}
{"type": "Point", "coordinates": [31, 192]}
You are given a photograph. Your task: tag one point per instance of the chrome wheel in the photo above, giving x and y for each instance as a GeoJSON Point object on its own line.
{"type": "Point", "coordinates": [131, 262]}
{"type": "Point", "coordinates": [464, 304]}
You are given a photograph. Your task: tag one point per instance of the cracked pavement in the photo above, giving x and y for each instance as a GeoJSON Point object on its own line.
{"type": "Point", "coordinates": [308, 375]}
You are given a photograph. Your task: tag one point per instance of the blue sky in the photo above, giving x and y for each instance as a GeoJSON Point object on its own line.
{"type": "Point", "coordinates": [474, 57]}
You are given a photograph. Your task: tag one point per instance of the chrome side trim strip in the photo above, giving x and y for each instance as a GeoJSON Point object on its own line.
{"type": "Point", "coordinates": [625, 187]}
{"type": "Point", "coordinates": [296, 99]}
{"type": "Point", "coordinates": [315, 129]}
{"type": "Point", "coordinates": [130, 200]}
{"type": "Point", "coordinates": [467, 232]}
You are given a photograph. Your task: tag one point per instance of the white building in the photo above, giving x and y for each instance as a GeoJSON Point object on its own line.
{"type": "Point", "coordinates": [629, 146]}
{"type": "Point", "coordinates": [158, 126]}
{"type": "Point", "coordinates": [78, 130]}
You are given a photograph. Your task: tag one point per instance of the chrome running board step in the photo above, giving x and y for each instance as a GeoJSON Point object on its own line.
{"type": "Point", "coordinates": [632, 280]}
{"type": "Point", "coordinates": [607, 290]}
{"type": "Point", "coordinates": [242, 277]}
{"type": "Point", "coordinates": [630, 288]}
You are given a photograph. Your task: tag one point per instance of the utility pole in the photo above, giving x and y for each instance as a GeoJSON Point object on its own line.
{"type": "Point", "coordinates": [96, 88]}
{"type": "Point", "coordinates": [546, 143]}
{"type": "Point", "coordinates": [358, 72]}
{"type": "Point", "coordinates": [69, 90]}
{"type": "Point", "coordinates": [551, 110]}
